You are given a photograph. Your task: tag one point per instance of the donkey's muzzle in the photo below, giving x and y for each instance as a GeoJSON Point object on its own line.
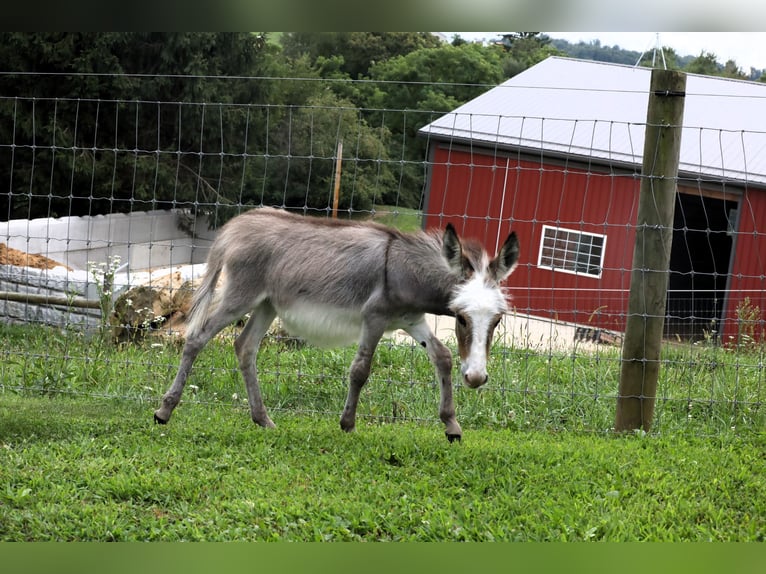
{"type": "Point", "coordinates": [475, 379]}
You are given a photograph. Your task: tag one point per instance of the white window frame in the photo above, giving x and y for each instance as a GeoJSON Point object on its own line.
{"type": "Point", "coordinates": [547, 229]}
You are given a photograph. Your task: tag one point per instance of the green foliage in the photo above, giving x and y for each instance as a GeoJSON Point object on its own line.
{"type": "Point", "coordinates": [409, 80]}
{"type": "Point", "coordinates": [178, 120]}
{"type": "Point", "coordinates": [134, 131]}
{"type": "Point", "coordinates": [411, 90]}
{"type": "Point", "coordinates": [525, 49]}
{"type": "Point", "coordinates": [306, 141]}
{"type": "Point", "coordinates": [115, 122]}
{"type": "Point", "coordinates": [356, 51]}
{"type": "Point", "coordinates": [749, 325]}
{"type": "Point", "coordinates": [594, 50]}
{"type": "Point", "coordinates": [102, 274]}
{"type": "Point", "coordinates": [705, 63]}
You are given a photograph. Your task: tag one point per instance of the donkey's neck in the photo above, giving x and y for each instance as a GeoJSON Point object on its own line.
{"type": "Point", "coordinates": [418, 277]}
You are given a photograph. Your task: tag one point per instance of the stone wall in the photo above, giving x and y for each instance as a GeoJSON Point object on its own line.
{"type": "Point", "coordinates": [56, 282]}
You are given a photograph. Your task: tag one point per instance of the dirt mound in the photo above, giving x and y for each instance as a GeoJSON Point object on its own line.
{"type": "Point", "coordinates": [11, 256]}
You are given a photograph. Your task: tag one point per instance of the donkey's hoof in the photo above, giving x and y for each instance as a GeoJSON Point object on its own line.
{"type": "Point", "coordinates": [347, 425]}
{"type": "Point", "coordinates": [264, 422]}
{"type": "Point", "coordinates": [159, 421]}
{"type": "Point", "coordinates": [454, 437]}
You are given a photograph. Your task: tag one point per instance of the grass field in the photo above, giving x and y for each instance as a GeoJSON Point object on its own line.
{"type": "Point", "coordinates": [80, 458]}
{"type": "Point", "coordinates": [403, 218]}
{"type": "Point", "coordinates": [702, 391]}
{"type": "Point", "coordinates": [97, 469]}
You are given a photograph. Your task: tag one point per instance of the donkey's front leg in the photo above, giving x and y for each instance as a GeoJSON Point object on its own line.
{"type": "Point", "coordinates": [441, 357]}
{"type": "Point", "coordinates": [359, 373]}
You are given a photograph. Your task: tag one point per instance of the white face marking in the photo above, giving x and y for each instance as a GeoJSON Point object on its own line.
{"type": "Point", "coordinates": [478, 304]}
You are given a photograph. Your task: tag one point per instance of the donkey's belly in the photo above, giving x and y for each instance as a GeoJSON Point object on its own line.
{"type": "Point", "coordinates": [322, 326]}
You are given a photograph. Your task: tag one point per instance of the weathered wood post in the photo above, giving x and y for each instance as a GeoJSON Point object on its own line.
{"type": "Point", "coordinates": [336, 186]}
{"type": "Point", "coordinates": [651, 254]}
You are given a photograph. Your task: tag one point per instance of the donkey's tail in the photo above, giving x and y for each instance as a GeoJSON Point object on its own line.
{"type": "Point", "coordinates": [203, 296]}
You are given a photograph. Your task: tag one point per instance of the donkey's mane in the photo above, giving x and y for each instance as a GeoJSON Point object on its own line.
{"type": "Point", "coordinates": [430, 238]}
{"type": "Point", "coordinates": [330, 222]}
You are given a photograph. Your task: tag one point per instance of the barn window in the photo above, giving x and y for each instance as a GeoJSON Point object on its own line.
{"type": "Point", "coordinates": [572, 251]}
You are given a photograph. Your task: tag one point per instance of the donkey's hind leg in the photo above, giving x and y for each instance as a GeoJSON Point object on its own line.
{"type": "Point", "coordinates": [246, 347]}
{"type": "Point", "coordinates": [441, 357]}
{"type": "Point", "coordinates": [195, 342]}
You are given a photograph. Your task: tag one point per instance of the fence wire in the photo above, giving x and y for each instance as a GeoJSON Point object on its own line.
{"type": "Point", "coordinates": [116, 203]}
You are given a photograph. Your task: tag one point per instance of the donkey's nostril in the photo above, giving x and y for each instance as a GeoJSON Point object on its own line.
{"type": "Point", "coordinates": [475, 380]}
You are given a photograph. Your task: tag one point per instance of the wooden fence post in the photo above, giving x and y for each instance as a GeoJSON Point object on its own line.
{"type": "Point", "coordinates": [336, 186]}
{"type": "Point", "coordinates": [651, 254]}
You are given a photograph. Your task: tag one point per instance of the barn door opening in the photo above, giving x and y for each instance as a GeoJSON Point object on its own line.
{"type": "Point", "coordinates": [699, 265]}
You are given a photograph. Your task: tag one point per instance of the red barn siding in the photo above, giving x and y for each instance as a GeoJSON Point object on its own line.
{"type": "Point", "coordinates": [485, 196]}
{"type": "Point", "coordinates": [748, 270]}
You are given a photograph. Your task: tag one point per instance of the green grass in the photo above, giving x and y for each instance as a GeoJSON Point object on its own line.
{"type": "Point", "coordinates": [80, 458]}
{"type": "Point", "coordinates": [403, 218]}
{"type": "Point", "coordinates": [702, 391]}
{"type": "Point", "coordinates": [98, 469]}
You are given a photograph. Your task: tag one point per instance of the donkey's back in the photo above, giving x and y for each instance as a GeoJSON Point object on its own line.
{"type": "Point", "coordinates": [322, 276]}
{"type": "Point", "coordinates": [287, 248]}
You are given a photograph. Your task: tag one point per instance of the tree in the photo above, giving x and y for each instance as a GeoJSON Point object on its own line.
{"type": "Point", "coordinates": [706, 64]}
{"type": "Point", "coordinates": [525, 49]}
{"type": "Point", "coordinates": [110, 122]}
{"type": "Point", "coordinates": [731, 70]}
{"type": "Point", "coordinates": [300, 167]}
{"type": "Point", "coordinates": [410, 91]}
{"type": "Point", "coordinates": [414, 78]}
{"type": "Point", "coordinates": [665, 58]}
{"type": "Point", "coordinates": [458, 40]}
{"type": "Point", "coordinates": [120, 121]}
{"type": "Point", "coordinates": [358, 50]}
{"type": "Point", "coordinates": [513, 39]}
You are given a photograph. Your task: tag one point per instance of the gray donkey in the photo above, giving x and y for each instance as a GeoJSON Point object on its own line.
{"type": "Point", "coordinates": [334, 282]}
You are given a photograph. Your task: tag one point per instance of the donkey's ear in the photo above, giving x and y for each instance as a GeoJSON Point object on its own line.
{"type": "Point", "coordinates": [506, 260]}
{"type": "Point", "coordinates": [452, 250]}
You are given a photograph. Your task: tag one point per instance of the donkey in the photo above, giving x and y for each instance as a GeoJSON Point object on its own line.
{"type": "Point", "coordinates": [334, 282]}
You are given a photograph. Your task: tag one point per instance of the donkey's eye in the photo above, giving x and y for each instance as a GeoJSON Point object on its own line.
{"type": "Point", "coordinates": [461, 320]}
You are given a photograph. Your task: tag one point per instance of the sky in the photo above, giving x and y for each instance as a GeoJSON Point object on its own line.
{"type": "Point", "coordinates": [747, 49]}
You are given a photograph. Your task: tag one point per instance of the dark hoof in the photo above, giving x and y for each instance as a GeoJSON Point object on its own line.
{"type": "Point", "coordinates": [453, 437]}
{"type": "Point", "coordinates": [346, 428]}
{"type": "Point", "coordinates": [158, 420]}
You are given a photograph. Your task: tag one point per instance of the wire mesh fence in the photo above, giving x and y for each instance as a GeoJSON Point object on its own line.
{"type": "Point", "coordinates": [109, 208]}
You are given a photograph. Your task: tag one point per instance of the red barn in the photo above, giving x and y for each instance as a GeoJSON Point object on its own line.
{"type": "Point", "coordinates": [555, 153]}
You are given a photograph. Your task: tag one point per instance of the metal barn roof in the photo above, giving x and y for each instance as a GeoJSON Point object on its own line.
{"type": "Point", "coordinates": [597, 111]}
